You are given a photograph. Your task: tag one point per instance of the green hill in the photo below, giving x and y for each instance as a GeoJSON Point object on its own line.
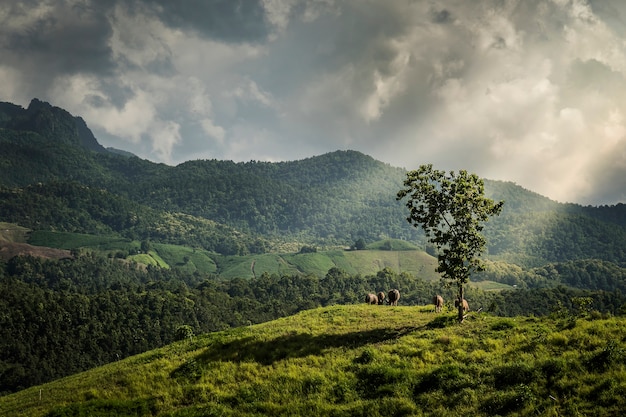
{"type": "Point", "coordinates": [359, 360]}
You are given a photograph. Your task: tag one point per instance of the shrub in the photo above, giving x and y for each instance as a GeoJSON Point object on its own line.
{"type": "Point", "coordinates": [106, 408]}
{"type": "Point", "coordinates": [189, 370]}
{"type": "Point", "coordinates": [449, 378]}
{"type": "Point", "coordinates": [513, 374]}
{"type": "Point", "coordinates": [379, 381]}
{"type": "Point", "coordinates": [504, 324]}
{"type": "Point", "coordinates": [606, 357]}
{"type": "Point", "coordinates": [366, 357]}
{"type": "Point", "coordinates": [184, 332]}
{"type": "Point", "coordinates": [505, 402]}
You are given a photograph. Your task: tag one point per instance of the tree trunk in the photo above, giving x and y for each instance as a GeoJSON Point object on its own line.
{"type": "Point", "coordinates": [461, 311]}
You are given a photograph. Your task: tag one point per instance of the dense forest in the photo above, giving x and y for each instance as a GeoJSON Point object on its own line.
{"type": "Point", "coordinates": [61, 316]}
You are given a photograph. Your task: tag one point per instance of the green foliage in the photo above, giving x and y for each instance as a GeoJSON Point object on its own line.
{"type": "Point", "coordinates": [308, 249]}
{"type": "Point", "coordinates": [59, 317]}
{"type": "Point", "coordinates": [58, 183]}
{"type": "Point", "coordinates": [391, 244]}
{"type": "Point", "coordinates": [106, 408]}
{"type": "Point", "coordinates": [184, 332]}
{"type": "Point", "coordinates": [359, 244]}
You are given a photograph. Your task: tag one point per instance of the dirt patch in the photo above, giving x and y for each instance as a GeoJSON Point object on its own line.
{"type": "Point", "coordinates": [10, 249]}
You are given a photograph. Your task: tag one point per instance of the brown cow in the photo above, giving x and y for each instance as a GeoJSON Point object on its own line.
{"type": "Point", "coordinates": [381, 298]}
{"type": "Point", "coordinates": [394, 296]}
{"type": "Point", "coordinates": [465, 305]}
{"type": "Point", "coordinates": [438, 302]}
{"type": "Point", "coordinates": [371, 299]}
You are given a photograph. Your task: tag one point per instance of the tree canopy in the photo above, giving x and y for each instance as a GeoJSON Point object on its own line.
{"type": "Point", "coordinates": [451, 209]}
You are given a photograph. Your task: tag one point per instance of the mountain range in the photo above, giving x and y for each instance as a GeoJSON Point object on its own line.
{"type": "Point", "coordinates": [50, 159]}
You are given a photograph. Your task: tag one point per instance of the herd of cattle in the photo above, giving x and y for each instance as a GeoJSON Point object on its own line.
{"type": "Point", "coordinates": [394, 295]}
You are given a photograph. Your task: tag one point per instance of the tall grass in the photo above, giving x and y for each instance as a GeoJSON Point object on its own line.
{"type": "Point", "coordinates": [359, 360]}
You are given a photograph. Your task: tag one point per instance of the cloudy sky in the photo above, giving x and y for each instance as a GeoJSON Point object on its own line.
{"type": "Point", "coordinates": [528, 91]}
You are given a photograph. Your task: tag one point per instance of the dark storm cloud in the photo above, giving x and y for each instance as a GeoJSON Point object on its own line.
{"type": "Point", "coordinates": [441, 16]}
{"type": "Point", "coordinates": [69, 39]}
{"type": "Point", "coordinates": [227, 20]}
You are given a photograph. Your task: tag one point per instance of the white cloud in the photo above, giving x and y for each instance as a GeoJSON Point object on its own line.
{"type": "Point", "coordinates": [164, 135]}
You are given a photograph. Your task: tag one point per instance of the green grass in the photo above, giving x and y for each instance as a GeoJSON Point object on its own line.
{"type": "Point", "coordinates": [392, 244]}
{"type": "Point", "coordinates": [364, 262]}
{"type": "Point", "coordinates": [359, 360]}
{"type": "Point", "coordinates": [150, 258]}
{"type": "Point", "coordinates": [10, 232]}
{"type": "Point", "coordinates": [190, 259]}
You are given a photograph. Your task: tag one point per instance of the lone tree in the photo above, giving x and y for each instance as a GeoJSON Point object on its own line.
{"type": "Point", "coordinates": [451, 209]}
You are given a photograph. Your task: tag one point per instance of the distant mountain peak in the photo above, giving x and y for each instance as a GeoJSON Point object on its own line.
{"type": "Point", "coordinates": [53, 123]}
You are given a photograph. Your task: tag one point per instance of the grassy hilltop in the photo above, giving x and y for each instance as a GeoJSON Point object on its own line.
{"type": "Point", "coordinates": [359, 360]}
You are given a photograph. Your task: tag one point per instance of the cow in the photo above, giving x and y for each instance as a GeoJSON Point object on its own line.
{"type": "Point", "coordinates": [371, 299]}
{"type": "Point", "coordinates": [465, 305]}
{"type": "Point", "coordinates": [381, 298]}
{"type": "Point", "coordinates": [394, 296]}
{"type": "Point", "coordinates": [438, 302]}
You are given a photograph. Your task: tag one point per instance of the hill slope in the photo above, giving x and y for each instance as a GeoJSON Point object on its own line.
{"type": "Point", "coordinates": [359, 360]}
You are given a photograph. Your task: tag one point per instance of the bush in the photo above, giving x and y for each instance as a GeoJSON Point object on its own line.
{"type": "Point", "coordinates": [603, 359]}
{"type": "Point", "coordinates": [504, 324]}
{"type": "Point", "coordinates": [107, 408]}
{"type": "Point", "coordinates": [184, 332]}
{"type": "Point", "coordinates": [448, 378]}
{"type": "Point", "coordinates": [505, 402]}
{"type": "Point", "coordinates": [514, 374]}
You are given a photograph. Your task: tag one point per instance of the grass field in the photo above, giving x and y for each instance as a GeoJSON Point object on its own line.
{"type": "Point", "coordinates": [10, 232]}
{"type": "Point", "coordinates": [363, 262]}
{"type": "Point", "coordinates": [359, 360]}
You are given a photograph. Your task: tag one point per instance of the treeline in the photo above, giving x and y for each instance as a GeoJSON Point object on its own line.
{"type": "Point", "coordinates": [591, 274]}
{"type": "Point", "coordinates": [76, 208]}
{"type": "Point", "coordinates": [533, 238]}
{"type": "Point", "coordinates": [62, 317]}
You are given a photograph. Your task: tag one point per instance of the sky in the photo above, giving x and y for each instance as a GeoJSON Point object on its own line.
{"type": "Point", "coordinates": [527, 91]}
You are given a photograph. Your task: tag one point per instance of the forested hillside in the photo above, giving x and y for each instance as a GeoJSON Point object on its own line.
{"type": "Point", "coordinates": [332, 199]}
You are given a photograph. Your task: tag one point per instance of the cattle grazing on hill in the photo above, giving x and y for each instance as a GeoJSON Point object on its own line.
{"type": "Point", "coordinates": [394, 296]}
{"type": "Point", "coordinates": [371, 299]}
{"type": "Point", "coordinates": [381, 298]}
{"type": "Point", "coordinates": [465, 305]}
{"type": "Point", "coordinates": [438, 302]}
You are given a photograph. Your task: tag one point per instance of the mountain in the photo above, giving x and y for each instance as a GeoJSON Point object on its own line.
{"type": "Point", "coordinates": [358, 360]}
{"type": "Point", "coordinates": [49, 122]}
{"type": "Point", "coordinates": [328, 200]}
